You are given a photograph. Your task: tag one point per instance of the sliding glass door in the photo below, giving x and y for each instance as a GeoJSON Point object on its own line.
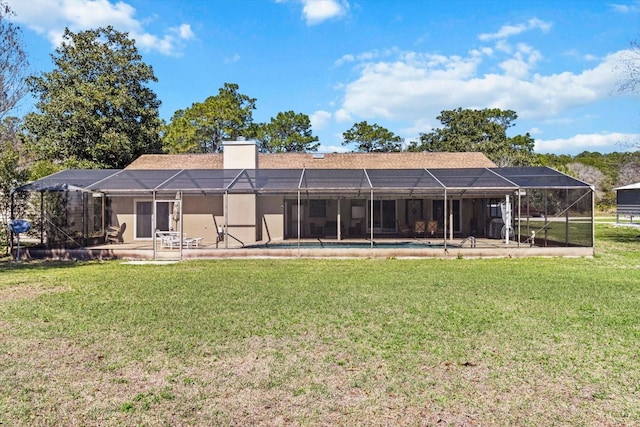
{"type": "Point", "coordinates": [144, 218]}
{"type": "Point", "coordinates": [384, 216]}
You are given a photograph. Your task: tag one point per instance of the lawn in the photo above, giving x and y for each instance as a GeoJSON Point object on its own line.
{"type": "Point", "coordinates": [536, 341]}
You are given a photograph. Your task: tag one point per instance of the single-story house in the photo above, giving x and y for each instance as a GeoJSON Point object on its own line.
{"type": "Point", "coordinates": [245, 199]}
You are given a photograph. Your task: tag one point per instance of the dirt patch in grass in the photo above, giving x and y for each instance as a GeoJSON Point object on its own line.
{"type": "Point", "coordinates": [25, 292]}
{"type": "Point", "coordinates": [280, 381]}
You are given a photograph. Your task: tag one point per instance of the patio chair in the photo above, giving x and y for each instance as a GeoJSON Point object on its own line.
{"type": "Point", "coordinates": [114, 233]}
{"type": "Point", "coordinates": [404, 229]}
{"type": "Point", "coordinates": [419, 227]}
{"type": "Point", "coordinates": [171, 240]}
{"type": "Point", "coordinates": [432, 227]}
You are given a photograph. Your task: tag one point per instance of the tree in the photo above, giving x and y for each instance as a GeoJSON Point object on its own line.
{"type": "Point", "coordinates": [13, 63]}
{"type": "Point", "coordinates": [287, 132]}
{"type": "Point", "coordinates": [372, 138]}
{"type": "Point", "coordinates": [484, 130]}
{"type": "Point", "coordinates": [630, 69]}
{"type": "Point", "coordinates": [12, 173]}
{"type": "Point", "coordinates": [594, 176]}
{"type": "Point", "coordinates": [202, 127]}
{"type": "Point", "coordinates": [629, 173]}
{"type": "Point", "coordinates": [95, 109]}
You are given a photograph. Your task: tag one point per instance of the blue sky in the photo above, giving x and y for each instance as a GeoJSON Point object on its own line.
{"type": "Point", "coordinates": [395, 63]}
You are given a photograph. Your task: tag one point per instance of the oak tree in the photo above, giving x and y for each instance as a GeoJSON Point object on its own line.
{"type": "Point", "coordinates": [95, 108]}
{"type": "Point", "coordinates": [467, 130]}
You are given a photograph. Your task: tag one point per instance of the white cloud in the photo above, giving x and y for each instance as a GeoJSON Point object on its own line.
{"type": "Point", "coordinates": [626, 8]}
{"type": "Point", "coordinates": [511, 30]}
{"type": "Point", "coordinates": [342, 116]}
{"type": "Point", "coordinates": [50, 17]}
{"type": "Point", "coordinates": [319, 119]}
{"type": "Point", "coordinates": [184, 31]}
{"type": "Point", "coordinates": [232, 60]}
{"type": "Point", "coordinates": [413, 85]}
{"type": "Point", "coordinates": [588, 142]}
{"type": "Point", "coordinates": [317, 11]}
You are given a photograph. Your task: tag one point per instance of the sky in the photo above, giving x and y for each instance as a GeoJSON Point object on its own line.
{"type": "Point", "coordinates": [398, 64]}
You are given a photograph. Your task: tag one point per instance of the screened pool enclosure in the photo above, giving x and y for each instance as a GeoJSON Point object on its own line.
{"type": "Point", "coordinates": [233, 208]}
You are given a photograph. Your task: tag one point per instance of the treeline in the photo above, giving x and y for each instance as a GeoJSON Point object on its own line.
{"type": "Point", "coordinates": [604, 171]}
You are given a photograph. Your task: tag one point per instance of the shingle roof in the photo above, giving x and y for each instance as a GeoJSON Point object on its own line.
{"type": "Point", "coordinates": [404, 160]}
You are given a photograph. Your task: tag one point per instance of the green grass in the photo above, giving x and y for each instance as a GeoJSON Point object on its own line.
{"type": "Point", "coordinates": [538, 341]}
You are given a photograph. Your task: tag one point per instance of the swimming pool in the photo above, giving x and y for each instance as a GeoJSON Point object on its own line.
{"type": "Point", "coordinates": [349, 245]}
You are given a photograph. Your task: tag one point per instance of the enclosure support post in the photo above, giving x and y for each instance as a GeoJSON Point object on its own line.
{"type": "Point", "coordinates": [371, 217]}
{"type": "Point", "coordinates": [41, 217]}
{"type": "Point", "coordinates": [593, 224]}
{"type": "Point", "coordinates": [519, 216]}
{"type": "Point", "coordinates": [153, 225]}
{"type": "Point", "coordinates": [566, 218]}
{"type": "Point", "coordinates": [226, 219]}
{"type": "Point", "coordinates": [298, 222]}
{"type": "Point", "coordinates": [181, 226]}
{"type": "Point", "coordinates": [445, 219]}
{"type": "Point", "coordinates": [11, 217]}
{"type": "Point", "coordinates": [339, 221]}
{"type": "Point", "coordinates": [85, 201]}
{"type": "Point", "coordinates": [103, 220]}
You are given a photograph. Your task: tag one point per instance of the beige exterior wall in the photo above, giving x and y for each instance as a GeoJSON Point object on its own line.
{"type": "Point", "coordinates": [241, 217]}
{"type": "Point", "coordinates": [121, 209]}
{"type": "Point", "coordinates": [200, 214]}
{"type": "Point", "coordinates": [271, 214]}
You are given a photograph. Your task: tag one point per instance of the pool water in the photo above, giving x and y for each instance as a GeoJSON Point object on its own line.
{"type": "Point", "coordinates": [348, 245]}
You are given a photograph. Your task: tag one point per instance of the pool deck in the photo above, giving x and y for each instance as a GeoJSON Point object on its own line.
{"type": "Point", "coordinates": [407, 248]}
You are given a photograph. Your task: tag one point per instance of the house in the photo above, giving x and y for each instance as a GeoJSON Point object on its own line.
{"type": "Point", "coordinates": [243, 198]}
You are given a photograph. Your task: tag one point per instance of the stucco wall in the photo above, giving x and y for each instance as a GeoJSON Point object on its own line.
{"type": "Point", "coordinates": [241, 219]}
{"type": "Point", "coordinates": [200, 214]}
{"type": "Point", "coordinates": [271, 215]}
